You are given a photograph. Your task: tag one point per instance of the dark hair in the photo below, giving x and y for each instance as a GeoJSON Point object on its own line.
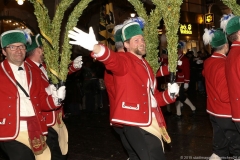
{"type": "Point", "coordinates": [233, 37]}
{"type": "Point", "coordinates": [119, 45]}
{"type": "Point", "coordinates": [218, 48]}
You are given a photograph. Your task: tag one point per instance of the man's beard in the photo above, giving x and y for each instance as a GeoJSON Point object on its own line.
{"type": "Point", "coordinates": [138, 52]}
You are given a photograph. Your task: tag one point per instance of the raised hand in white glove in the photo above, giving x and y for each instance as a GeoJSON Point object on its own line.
{"type": "Point", "coordinates": [77, 62]}
{"type": "Point", "coordinates": [179, 62]}
{"type": "Point", "coordinates": [86, 40]}
{"type": "Point", "coordinates": [173, 88]}
{"type": "Point", "coordinates": [50, 89]}
{"type": "Point", "coordinates": [185, 86]}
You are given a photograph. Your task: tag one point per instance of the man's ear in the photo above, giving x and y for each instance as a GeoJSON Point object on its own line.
{"type": "Point", "coordinates": [126, 45]}
{"type": "Point", "coordinates": [4, 53]}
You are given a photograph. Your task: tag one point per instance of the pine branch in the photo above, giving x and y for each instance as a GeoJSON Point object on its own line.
{"type": "Point", "coordinates": [171, 16]}
{"type": "Point", "coordinates": [72, 22]}
{"type": "Point", "coordinates": [233, 5]}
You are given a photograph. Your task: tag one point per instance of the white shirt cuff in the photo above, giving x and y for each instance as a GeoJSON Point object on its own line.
{"type": "Point", "coordinates": [100, 53]}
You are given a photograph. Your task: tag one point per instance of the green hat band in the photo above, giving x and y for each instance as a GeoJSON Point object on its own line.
{"type": "Point", "coordinates": [233, 25]}
{"type": "Point", "coordinates": [36, 42]}
{"type": "Point", "coordinates": [130, 30]}
{"type": "Point", "coordinates": [218, 39]}
{"type": "Point", "coordinates": [12, 36]}
{"type": "Point", "coordinates": [118, 36]}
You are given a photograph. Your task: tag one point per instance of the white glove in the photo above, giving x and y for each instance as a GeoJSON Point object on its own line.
{"type": "Point", "coordinates": [185, 86]}
{"type": "Point", "coordinates": [199, 61]}
{"type": "Point", "coordinates": [58, 95]}
{"type": "Point", "coordinates": [86, 40]}
{"type": "Point", "coordinates": [173, 88]}
{"type": "Point", "coordinates": [77, 62]}
{"type": "Point", "coordinates": [61, 93]}
{"type": "Point", "coordinates": [179, 62]}
{"type": "Point", "coordinates": [50, 89]}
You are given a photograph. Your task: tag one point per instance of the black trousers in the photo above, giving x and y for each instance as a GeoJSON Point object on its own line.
{"type": "Point", "coordinates": [182, 97]}
{"type": "Point", "coordinates": [226, 138]}
{"type": "Point", "coordinates": [125, 143]}
{"type": "Point", "coordinates": [53, 144]}
{"type": "Point", "coordinates": [140, 144]}
{"type": "Point", "coordinates": [16, 150]}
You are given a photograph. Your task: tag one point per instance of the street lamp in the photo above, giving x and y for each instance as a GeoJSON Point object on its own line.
{"type": "Point", "coordinates": [20, 2]}
{"type": "Point", "coordinates": [132, 15]}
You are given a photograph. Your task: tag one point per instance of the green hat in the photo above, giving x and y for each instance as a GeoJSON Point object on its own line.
{"type": "Point", "coordinates": [219, 38]}
{"type": "Point", "coordinates": [118, 36]}
{"type": "Point", "coordinates": [36, 42]}
{"type": "Point", "coordinates": [233, 25]}
{"type": "Point", "coordinates": [12, 36]}
{"type": "Point", "coordinates": [131, 29]}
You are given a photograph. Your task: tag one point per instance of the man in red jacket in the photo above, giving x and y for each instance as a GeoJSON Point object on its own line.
{"type": "Point", "coordinates": [233, 69]}
{"type": "Point", "coordinates": [137, 100]}
{"type": "Point", "coordinates": [57, 138]}
{"type": "Point", "coordinates": [109, 82]}
{"type": "Point", "coordinates": [183, 78]}
{"type": "Point", "coordinates": [226, 138]}
{"type": "Point", "coordinates": [24, 97]}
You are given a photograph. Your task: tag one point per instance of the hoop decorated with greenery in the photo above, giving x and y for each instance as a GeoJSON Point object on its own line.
{"type": "Point", "coordinates": [57, 59]}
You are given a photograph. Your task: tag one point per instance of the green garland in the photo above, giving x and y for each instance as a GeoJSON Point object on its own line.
{"type": "Point", "coordinates": [171, 16]}
{"type": "Point", "coordinates": [233, 5]}
{"type": "Point", "coordinates": [51, 32]}
{"type": "Point", "coordinates": [72, 22]}
{"type": "Point", "coordinates": [57, 63]}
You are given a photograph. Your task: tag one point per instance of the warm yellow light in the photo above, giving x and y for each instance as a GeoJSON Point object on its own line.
{"type": "Point", "coordinates": [20, 2]}
{"type": "Point", "coordinates": [185, 28]}
{"type": "Point", "coordinates": [132, 14]}
{"type": "Point", "coordinates": [200, 19]}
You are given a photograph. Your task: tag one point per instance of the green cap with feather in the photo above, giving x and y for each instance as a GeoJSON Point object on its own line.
{"type": "Point", "coordinates": [36, 42]}
{"type": "Point", "coordinates": [131, 29]}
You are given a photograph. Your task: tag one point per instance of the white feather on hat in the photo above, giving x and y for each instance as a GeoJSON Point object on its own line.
{"type": "Point", "coordinates": [207, 36]}
{"type": "Point", "coordinates": [117, 27]}
{"type": "Point", "coordinates": [224, 20]}
{"type": "Point", "coordinates": [140, 20]}
{"type": "Point", "coordinates": [27, 32]}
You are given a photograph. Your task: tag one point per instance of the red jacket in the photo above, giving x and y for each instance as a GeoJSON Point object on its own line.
{"type": "Point", "coordinates": [132, 99]}
{"type": "Point", "coordinates": [71, 68]}
{"type": "Point", "coordinates": [216, 86]}
{"type": "Point", "coordinates": [109, 83]}
{"type": "Point", "coordinates": [183, 71]}
{"type": "Point", "coordinates": [10, 114]}
{"type": "Point", "coordinates": [233, 79]}
{"type": "Point", "coordinates": [51, 116]}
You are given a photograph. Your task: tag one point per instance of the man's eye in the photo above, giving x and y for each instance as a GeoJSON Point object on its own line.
{"type": "Point", "coordinates": [22, 47]}
{"type": "Point", "coordinates": [12, 47]}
